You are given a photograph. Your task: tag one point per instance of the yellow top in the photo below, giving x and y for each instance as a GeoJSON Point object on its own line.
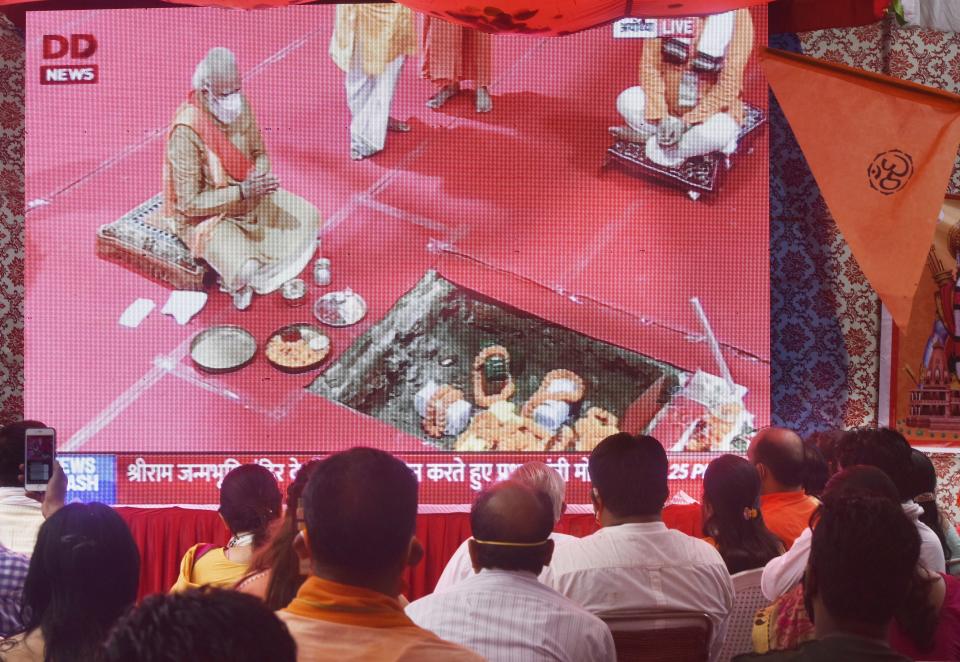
{"type": "Point", "coordinates": [211, 569]}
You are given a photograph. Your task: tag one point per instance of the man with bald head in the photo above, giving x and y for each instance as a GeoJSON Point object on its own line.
{"type": "Point", "coordinates": [778, 454]}
{"type": "Point", "coordinates": [220, 194]}
{"type": "Point", "coordinates": [503, 612]}
{"type": "Point", "coordinates": [535, 475]}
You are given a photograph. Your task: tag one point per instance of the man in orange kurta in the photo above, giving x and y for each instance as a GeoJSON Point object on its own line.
{"type": "Point", "coordinates": [360, 510]}
{"type": "Point", "coordinates": [779, 456]}
{"type": "Point", "coordinates": [220, 195]}
{"type": "Point", "coordinates": [453, 54]}
{"type": "Point", "coordinates": [688, 102]}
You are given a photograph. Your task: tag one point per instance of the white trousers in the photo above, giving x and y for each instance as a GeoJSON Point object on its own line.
{"type": "Point", "coordinates": [368, 98]}
{"type": "Point", "coordinates": [717, 134]}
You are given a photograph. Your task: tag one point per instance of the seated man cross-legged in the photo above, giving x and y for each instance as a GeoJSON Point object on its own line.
{"type": "Point", "coordinates": [503, 612]}
{"type": "Point", "coordinates": [220, 195]}
{"type": "Point", "coordinates": [688, 102]}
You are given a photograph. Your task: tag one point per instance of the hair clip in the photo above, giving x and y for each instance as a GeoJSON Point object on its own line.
{"type": "Point", "coordinates": [750, 513]}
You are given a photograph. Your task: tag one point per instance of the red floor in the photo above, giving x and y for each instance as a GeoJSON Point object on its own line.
{"type": "Point", "coordinates": [517, 197]}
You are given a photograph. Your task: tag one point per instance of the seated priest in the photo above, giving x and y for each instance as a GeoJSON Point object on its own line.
{"type": "Point", "coordinates": [220, 195]}
{"type": "Point", "coordinates": [688, 102]}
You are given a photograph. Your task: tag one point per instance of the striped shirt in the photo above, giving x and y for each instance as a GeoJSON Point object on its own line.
{"type": "Point", "coordinates": [13, 573]}
{"type": "Point", "coordinates": [645, 566]}
{"type": "Point", "coordinates": [508, 616]}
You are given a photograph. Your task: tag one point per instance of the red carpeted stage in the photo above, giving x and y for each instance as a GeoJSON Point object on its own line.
{"type": "Point", "coordinates": [513, 204]}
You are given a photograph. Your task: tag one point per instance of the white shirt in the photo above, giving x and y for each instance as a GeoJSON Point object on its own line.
{"type": "Point", "coordinates": [645, 566]}
{"type": "Point", "coordinates": [459, 567]}
{"type": "Point", "coordinates": [783, 572]}
{"type": "Point", "coordinates": [508, 616]}
{"type": "Point", "coordinates": [20, 520]}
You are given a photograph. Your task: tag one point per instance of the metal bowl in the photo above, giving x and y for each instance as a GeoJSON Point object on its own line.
{"type": "Point", "coordinates": [222, 349]}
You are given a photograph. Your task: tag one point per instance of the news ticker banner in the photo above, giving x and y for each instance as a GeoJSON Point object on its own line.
{"type": "Point", "coordinates": [446, 478]}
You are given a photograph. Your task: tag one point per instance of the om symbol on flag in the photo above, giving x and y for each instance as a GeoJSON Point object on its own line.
{"type": "Point", "coordinates": [890, 171]}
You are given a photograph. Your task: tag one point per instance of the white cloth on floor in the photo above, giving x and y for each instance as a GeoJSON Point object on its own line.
{"type": "Point", "coordinates": [509, 615]}
{"type": "Point", "coordinates": [368, 98]}
{"type": "Point", "coordinates": [459, 567]}
{"type": "Point", "coordinates": [782, 573]}
{"type": "Point", "coordinates": [718, 133]}
{"type": "Point", "coordinates": [184, 304]}
{"type": "Point", "coordinates": [136, 312]}
{"type": "Point", "coordinates": [645, 566]}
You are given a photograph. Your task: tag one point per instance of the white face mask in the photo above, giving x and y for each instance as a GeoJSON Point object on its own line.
{"type": "Point", "coordinates": [227, 108]}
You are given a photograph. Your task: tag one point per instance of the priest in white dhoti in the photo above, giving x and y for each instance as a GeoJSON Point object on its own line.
{"type": "Point", "coordinates": [688, 102]}
{"type": "Point", "coordinates": [370, 43]}
{"type": "Point", "coordinates": [220, 195]}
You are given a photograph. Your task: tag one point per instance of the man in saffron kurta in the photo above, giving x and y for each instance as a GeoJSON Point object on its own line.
{"type": "Point", "coordinates": [688, 102]}
{"type": "Point", "coordinates": [779, 457]}
{"type": "Point", "coordinates": [360, 510]}
{"type": "Point", "coordinates": [220, 196]}
{"type": "Point", "coordinates": [453, 54]}
{"type": "Point", "coordinates": [370, 43]}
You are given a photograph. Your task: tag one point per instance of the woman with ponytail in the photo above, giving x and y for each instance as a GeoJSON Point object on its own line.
{"type": "Point", "coordinates": [276, 572]}
{"type": "Point", "coordinates": [249, 503]}
{"type": "Point", "coordinates": [732, 520]}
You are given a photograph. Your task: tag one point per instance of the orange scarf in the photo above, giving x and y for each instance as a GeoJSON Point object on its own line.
{"type": "Point", "coordinates": [234, 161]}
{"type": "Point", "coordinates": [330, 601]}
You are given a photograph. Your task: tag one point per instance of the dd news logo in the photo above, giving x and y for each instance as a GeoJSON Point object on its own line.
{"type": "Point", "coordinates": [73, 47]}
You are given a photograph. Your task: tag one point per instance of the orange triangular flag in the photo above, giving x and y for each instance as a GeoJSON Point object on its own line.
{"type": "Point", "coordinates": [881, 150]}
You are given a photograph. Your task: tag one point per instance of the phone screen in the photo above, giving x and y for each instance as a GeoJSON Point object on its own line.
{"type": "Point", "coordinates": [38, 458]}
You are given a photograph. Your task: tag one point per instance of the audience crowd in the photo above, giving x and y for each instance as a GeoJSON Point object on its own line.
{"type": "Point", "coordinates": [840, 532]}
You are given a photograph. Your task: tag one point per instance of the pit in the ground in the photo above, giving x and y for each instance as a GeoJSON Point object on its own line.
{"type": "Point", "coordinates": [434, 332]}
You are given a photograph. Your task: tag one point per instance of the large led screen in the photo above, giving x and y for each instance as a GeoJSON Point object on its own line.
{"type": "Point", "coordinates": [267, 236]}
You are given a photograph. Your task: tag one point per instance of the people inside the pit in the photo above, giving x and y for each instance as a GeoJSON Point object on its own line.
{"type": "Point", "coordinates": [221, 196]}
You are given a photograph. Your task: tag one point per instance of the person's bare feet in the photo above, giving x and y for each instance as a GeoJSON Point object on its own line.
{"type": "Point", "coordinates": [628, 134]}
{"type": "Point", "coordinates": [396, 125]}
{"type": "Point", "coordinates": [484, 102]}
{"type": "Point", "coordinates": [446, 93]}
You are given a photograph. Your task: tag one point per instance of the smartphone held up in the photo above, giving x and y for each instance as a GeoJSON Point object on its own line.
{"type": "Point", "coordinates": [39, 457]}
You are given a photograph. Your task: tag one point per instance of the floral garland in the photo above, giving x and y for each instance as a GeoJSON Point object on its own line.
{"type": "Point", "coordinates": [435, 422]}
{"type": "Point", "coordinates": [480, 395]}
{"type": "Point", "coordinates": [543, 393]}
